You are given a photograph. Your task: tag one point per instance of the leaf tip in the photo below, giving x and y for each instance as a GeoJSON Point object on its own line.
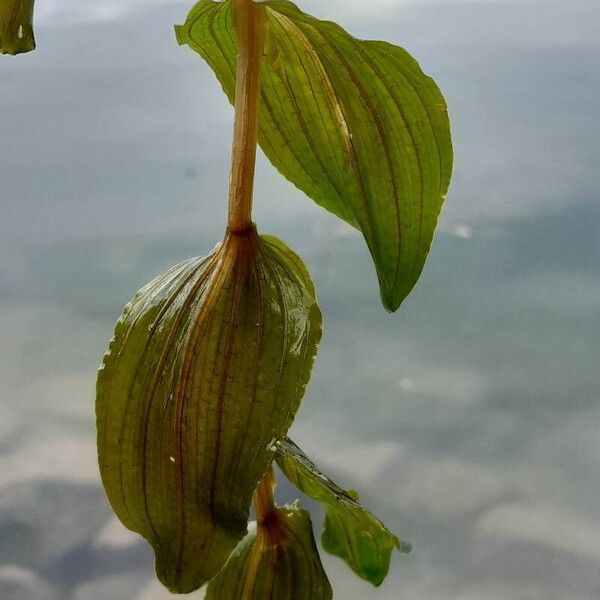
{"type": "Point", "coordinates": [390, 301]}
{"type": "Point", "coordinates": [20, 42]}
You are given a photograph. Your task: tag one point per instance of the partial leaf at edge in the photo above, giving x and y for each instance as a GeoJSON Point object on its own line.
{"type": "Point", "coordinates": [354, 124]}
{"type": "Point", "coordinates": [16, 26]}
{"type": "Point", "coordinates": [350, 532]}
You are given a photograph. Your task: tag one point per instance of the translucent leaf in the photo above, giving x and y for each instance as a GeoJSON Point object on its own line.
{"type": "Point", "coordinates": [351, 532]}
{"type": "Point", "coordinates": [354, 124]}
{"type": "Point", "coordinates": [277, 560]}
{"type": "Point", "coordinates": [16, 26]}
{"type": "Point", "coordinates": [207, 368]}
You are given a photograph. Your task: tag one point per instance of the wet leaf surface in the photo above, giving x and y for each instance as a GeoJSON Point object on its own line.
{"type": "Point", "coordinates": [207, 368]}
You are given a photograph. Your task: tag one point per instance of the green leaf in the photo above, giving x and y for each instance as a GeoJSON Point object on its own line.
{"type": "Point", "coordinates": [16, 28]}
{"type": "Point", "coordinates": [354, 124]}
{"type": "Point", "coordinates": [277, 560]}
{"type": "Point", "coordinates": [207, 368]}
{"type": "Point", "coordinates": [351, 532]}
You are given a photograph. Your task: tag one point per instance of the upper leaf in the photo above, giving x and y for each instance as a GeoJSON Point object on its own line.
{"type": "Point", "coordinates": [277, 560]}
{"type": "Point", "coordinates": [354, 124]}
{"type": "Point", "coordinates": [16, 26]}
{"type": "Point", "coordinates": [350, 532]}
{"type": "Point", "coordinates": [207, 367]}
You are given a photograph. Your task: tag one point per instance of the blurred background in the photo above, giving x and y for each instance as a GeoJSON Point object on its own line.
{"type": "Point", "coordinates": [469, 420]}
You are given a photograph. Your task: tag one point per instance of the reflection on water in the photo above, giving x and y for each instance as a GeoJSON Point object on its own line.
{"type": "Point", "coordinates": [469, 420]}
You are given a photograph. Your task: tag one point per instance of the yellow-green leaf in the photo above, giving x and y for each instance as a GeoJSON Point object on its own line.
{"type": "Point", "coordinates": [277, 560]}
{"type": "Point", "coordinates": [207, 368]}
{"type": "Point", "coordinates": [354, 124]}
{"type": "Point", "coordinates": [16, 26]}
{"type": "Point", "coordinates": [351, 532]}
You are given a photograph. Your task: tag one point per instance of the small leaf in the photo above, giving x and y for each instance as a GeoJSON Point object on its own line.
{"type": "Point", "coordinates": [356, 125]}
{"type": "Point", "coordinates": [277, 560]}
{"type": "Point", "coordinates": [351, 532]}
{"type": "Point", "coordinates": [207, 368]}
{"type": "Point", "coordinates": [16, 26]}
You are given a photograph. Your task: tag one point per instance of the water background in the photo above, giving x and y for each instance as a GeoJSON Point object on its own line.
{"type": "Point", "coordinates": [469, 420]}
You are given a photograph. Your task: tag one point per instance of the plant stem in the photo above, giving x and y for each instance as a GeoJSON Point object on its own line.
{"type": "Point", "coordinates": [249, 24]}
{"type": "Point", "coordinates": [264, 503]}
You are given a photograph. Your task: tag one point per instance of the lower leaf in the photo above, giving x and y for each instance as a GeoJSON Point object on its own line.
{"type": "Point", "coordinates": [207, 368]}
{"type": "Point", "coordinates": [277, 560]}
{"type": "Point", "coordinates": [351, 532]}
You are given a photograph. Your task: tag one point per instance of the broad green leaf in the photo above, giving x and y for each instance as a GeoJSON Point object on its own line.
{"type": "Point", "coordinates": [354, 124]}
{"type": "Point", "coordinates": [207, 368]}
{"type": "Point", "coordinates": [16, 26]}
{"type": "Point", "coordinates": [277, 560]}
{"type": "Point", "coordinates": [351, 532]}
